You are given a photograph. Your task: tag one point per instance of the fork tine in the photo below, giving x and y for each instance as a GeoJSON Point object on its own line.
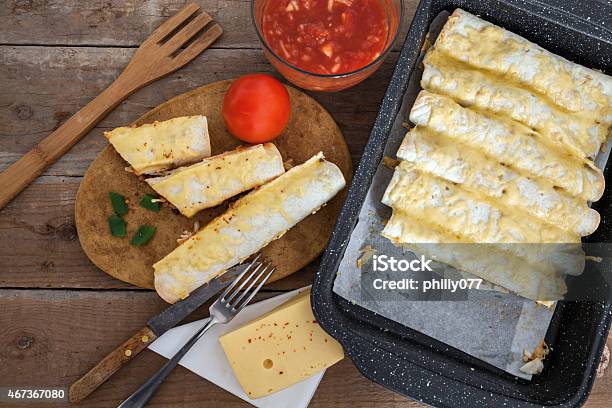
{"type": "Point", "coordinates": [187, 32]}
{"type": "Point", "coordinates": [253, 282]}
{"type": "Point", "coordinates": [263, 282]}
{"type": "Point", "coordinates": [237, 279]}
{"type": "Point", "coordinates": [173, 22]}
{"type": "Point", "coordinates": [244, 282]}
{"type": "Point", "coordinates": [197, 46]}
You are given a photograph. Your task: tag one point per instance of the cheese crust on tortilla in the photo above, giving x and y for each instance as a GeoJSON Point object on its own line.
{"type": "Point", "coordinates": [215, 179]}
{"type": "Point", "coordinates": [490, 262]}
{"type": "Point", "coordinates": [252, 222]}
{"type": "Point", "coordinates": [161, 146]}
{"type": "Point", "coordinates": [461, 212]}
{"type": "Point", "coordinates": [501, 155]}
{"type": "Point", "coordinates": [445, 158]}
{"type": "Point", "coordinates": [510, 142]}
{"type": "Point", "coordinates": [582, 133]}
{"type": "Point", "coordinates": [488, 47]}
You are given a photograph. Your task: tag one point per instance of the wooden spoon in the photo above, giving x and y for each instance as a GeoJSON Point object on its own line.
{"type": "Point", "coordinates": [159, 55]}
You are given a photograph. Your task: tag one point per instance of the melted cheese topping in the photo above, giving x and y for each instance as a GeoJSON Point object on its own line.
{"type": "Point", "coordinates": [461, 212]}
{"type": "Point", "coordinates": [499, 159]}
{"type": "Point", "coordinates": [252, 222]}
{"type": "Point", "coordinates": [483, 45]}
{"type": "Point", "coordinates": [489, 262]}
{"type": "Point", "coordinates": [457, 163]}
{"type": "Point", "coordinates": [510, 143]}
{"type": "Point", "coordinates": [160, 146]}
{"type": "Point", "coordinates": [581, 133]}
{"type": "Point", "coordinates": [215, 179]}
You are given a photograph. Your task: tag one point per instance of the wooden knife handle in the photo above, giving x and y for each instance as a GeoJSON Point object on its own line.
{"type": "Point", "coordinates": [21, 173]}
{"type": "Point", "coordinates": [122, 355]}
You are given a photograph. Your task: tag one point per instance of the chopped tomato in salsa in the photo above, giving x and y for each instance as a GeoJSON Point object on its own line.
{"type": "Point", "coordinates": [326, 36]}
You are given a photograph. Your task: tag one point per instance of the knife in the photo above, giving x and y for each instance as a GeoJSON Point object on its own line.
{"type": "Point", "coordinates": [155, 327]}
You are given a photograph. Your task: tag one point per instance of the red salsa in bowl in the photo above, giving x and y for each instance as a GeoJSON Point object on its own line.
{"type": "Point", "coordinates": [326, 44]}
{"type": "Point", "coordinates": [326, 36]}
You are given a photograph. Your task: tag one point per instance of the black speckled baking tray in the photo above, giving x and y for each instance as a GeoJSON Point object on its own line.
{"type": "Point", "coordinates": [413, 364]}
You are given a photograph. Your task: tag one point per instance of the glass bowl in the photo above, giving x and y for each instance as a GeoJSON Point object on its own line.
{"type": "Point", "coordinates": [323, 82]}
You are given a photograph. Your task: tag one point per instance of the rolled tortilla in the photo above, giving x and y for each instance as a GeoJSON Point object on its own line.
{"type": "Point", "coordinates": [443, 157]}
{"type": "Point", "coordinates": [486, 261]}
{"type": "Point", "coordinates": [510, 143]}
{"type": "Point", "coordinates": [464, 214]}
{"type": "Point", "coordinates": [581, 133]}
{"type": "Point", "coordinates": [252, 222]}
{"type": "Point", "coordinates": [486, 46]}
{"type": "Point", "coordinates": [215, 179]}
{"type": "Point", "coordinates": [161, 146]}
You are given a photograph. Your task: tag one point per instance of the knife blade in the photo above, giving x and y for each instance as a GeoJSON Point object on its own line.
{"type": "Point", "coordinates": [174, 314]}
{"type": "Point", "coordinates": [155, 327]}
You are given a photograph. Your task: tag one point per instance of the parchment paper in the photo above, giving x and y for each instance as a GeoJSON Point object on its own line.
{"type": "Point", "coordinates": [491, 325]}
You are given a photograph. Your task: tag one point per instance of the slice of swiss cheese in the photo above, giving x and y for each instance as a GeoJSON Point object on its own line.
{"type": "Point", "coordinates": [215, 179]}
{"type": "Point", "coordinates": [279, 349]}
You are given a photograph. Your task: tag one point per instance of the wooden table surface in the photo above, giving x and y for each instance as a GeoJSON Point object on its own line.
{"type": "Point", "coordinates": [59, 314]}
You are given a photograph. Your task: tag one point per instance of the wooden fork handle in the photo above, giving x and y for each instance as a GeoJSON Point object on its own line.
{"type": "Point", "coordinates": [122, 355]}
{"type": "Point", "coordinates": [21, 173]}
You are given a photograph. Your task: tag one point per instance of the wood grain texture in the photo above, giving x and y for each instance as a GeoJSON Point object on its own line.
{"type": "Point", "coordinates": [122, 23]}
{"type": "Point", "coordinates": [87, 325]}
{"type": "Point", "coordinates": [122, 355]}
{"type": "Point", "coordinates": [151, 61]}
{"type": "Point", "coordinates": [30, 107]}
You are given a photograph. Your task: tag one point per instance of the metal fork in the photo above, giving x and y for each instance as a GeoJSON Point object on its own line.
{"type": "Point", "coordinates": [160, 54]}
{"type": "Point", "coordinates": [225, 308]}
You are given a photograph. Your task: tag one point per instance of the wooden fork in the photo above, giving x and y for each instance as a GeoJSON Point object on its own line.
{"type": "Point", "coordinates": [159, 55]}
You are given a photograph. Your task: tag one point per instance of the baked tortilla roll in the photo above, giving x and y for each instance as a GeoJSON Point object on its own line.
{"type": "Point", "coordinates": [160, 146]}
{"type": "Point", "coordinates": [510, 143]}
{"type": "Point", "coordinates": [483, 45]}
{"type": "Point", "coordinates": [463, 213]}
{"type": "Point", "coordinates": [485, 261]}
{"type": "Point", "coordinates": [443, 157]}
{"type": "Point", "coordinates": [580, 133]}
{"type": "Point", "coordinates": [215, 179]}
{"type": "Point", "coordinates": [472, 219]}
{"type": "Point", "coordinates": [250, 224]}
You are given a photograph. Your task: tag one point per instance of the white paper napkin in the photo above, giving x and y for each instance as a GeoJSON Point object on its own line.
{"type": "Point", "coordinates": [207, 359]}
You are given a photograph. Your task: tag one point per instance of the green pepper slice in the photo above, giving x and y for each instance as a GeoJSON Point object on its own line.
{"type": "Point", "coordinates": [117, 226]}
{"type": "Point", "coordinates": [118, 201]}
{"type": "Point", "coordinates": [143, 235]}
{"type": "Point", "coordinates": [148, 203]}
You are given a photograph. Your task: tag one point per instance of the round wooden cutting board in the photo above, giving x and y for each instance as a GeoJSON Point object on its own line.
{"type": "Point", "coordinates": [310, 130]}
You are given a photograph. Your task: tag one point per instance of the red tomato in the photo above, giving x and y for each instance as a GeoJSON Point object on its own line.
{"type": "Point", "coordinates": [256, 108]}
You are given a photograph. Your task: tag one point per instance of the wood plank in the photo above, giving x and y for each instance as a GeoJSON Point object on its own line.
{"type": "Point", "coordinates": [42, 87]}
{"type": "Point", "coordinates": [124, 23]}
{"type": "Point", "coordinates": [38, 240]}
{"type": "Point", "coordinates": [37, 353]}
